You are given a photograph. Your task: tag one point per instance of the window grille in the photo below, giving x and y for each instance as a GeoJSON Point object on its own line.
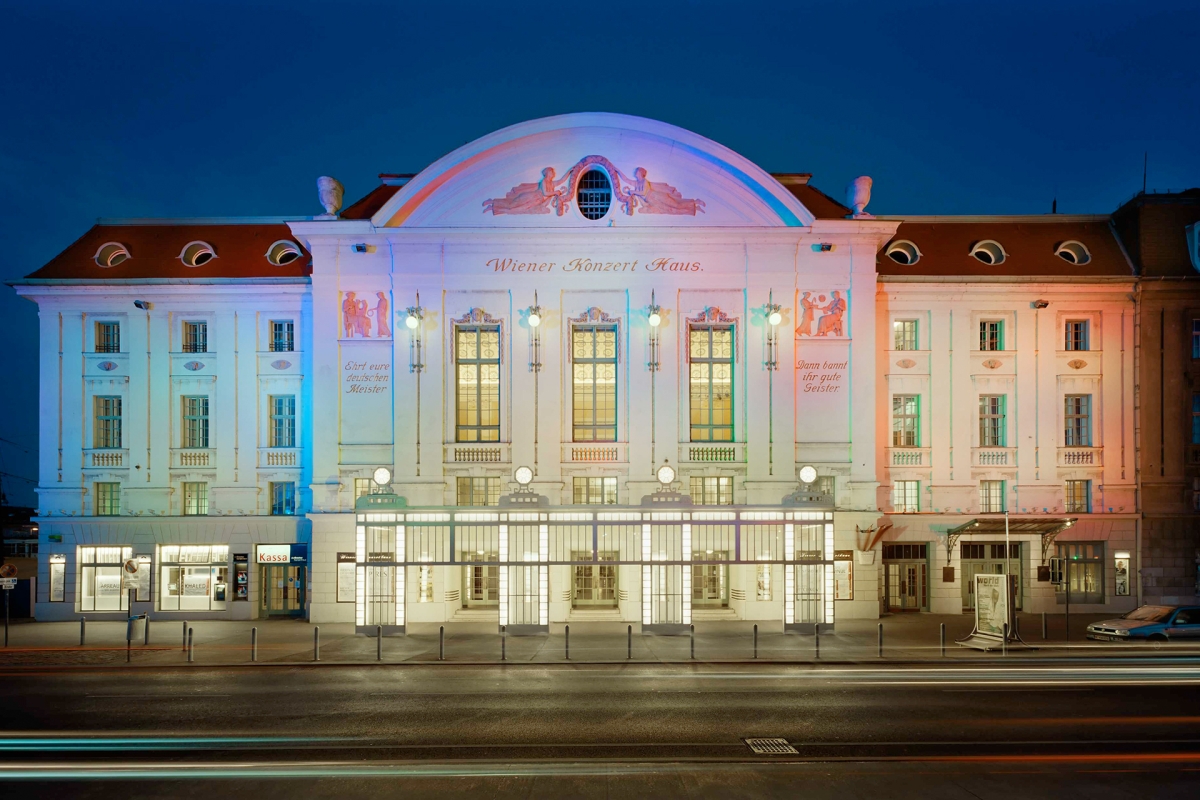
{"type": "Point", "coordinates": [991, 335]}
{"type": "Point", "coordinates": [906, 496]}
{"type": "Point", "coordinates": [1078, 420]}
{"type": "Point", "coordinates": [712, 490]}
{"type": "Point", "coordinates": [710, 353]}
{"type": "Point", "coordinates": [283, 420]}
{"type": "Point", "coordinates": [594, 491]}
{"type": "Point", "coordinates": [283, 498]}
{"type": "Point", "coordinates": [283, 339]}
{"type": "Point", "coordinates": [904, 552]}
{"type": "Point", "coordinates": [195, 422]}
{"type": "Point", "coordinates": [594, 379]}
{"type": "Point", "coordinates": [1077, 335]}
{"type": "Point", "coordinates": [904, 333]}
{"type": "Point", "coordinates": [478, 491]}
{"type": "Point", "coordinates": [195, 498]}
{"type": "Point", "coordinates": [106, 427]}
{"type": "Point", "coordinates": [594, 194]}
{"type": "Point", "coordinates": [991, 497]}
{"type": "Point", "coordinates": [905, 420]}
{"type": "Point", "coordinates": [477, 361]}
{"type": "Point", "coordinates": [991, 420]}
{"type": "Point", "coordinates": [108, 337]}
{"type": "Point", "coordinates": [1078, 497]}
{"type": "Point", "coordinates": [108, 499]}
{"type": "Point", "coordinates": [195, 337]}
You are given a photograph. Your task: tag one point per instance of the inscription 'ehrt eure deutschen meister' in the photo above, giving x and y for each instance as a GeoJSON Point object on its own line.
{"type": "Point", "coordinates": [588, 265]}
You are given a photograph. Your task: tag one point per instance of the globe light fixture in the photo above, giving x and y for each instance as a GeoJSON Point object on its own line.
{"type": "Point", "coordinates": [666, 475]}
{"type": "Point", "coordinates": [808, 474]}
{"type": "Point", "coordinates": [523, 475]}
{"type": "Point", "coordinates": [775, 317]}
{"type": "Point", "coordinates": [655, 318]}
{"type": "Point", "coordinates": [412, 321]}
{"type": "Point", "coordinates": [382, 476]}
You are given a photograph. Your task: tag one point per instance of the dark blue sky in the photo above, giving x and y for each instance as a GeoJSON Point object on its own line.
{"type": "Point", "coordinates": [227, 108]}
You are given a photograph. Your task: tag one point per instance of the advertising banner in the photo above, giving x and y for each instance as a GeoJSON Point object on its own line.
{"type": "Point", "coordinates": [345, 577]}
{"type": "Point", "coordinates": [991, 605]}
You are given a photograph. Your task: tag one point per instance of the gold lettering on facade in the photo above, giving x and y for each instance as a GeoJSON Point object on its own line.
{"type": "Point", "coordinates": [362, 377]}
{"type": "Point", "coordinates": [592, 265]}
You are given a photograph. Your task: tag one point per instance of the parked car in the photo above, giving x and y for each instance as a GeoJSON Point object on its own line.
{"type": "Point", "coordinates": [1149, 623]}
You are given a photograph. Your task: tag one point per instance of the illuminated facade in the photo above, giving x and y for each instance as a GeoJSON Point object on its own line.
{"type": "Point", "coordinates": [616, 373]}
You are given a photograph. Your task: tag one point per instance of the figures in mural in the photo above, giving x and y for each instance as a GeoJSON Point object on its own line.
{"type": "Point", "coordinates": [656, 197]}
{"type": "Point", "coordinates": [356, 317]}
{"type": "Point", "coordinates": [806, 318]}
{"type": "Point", "coordinates": [349, 315]}
{"type": "Point", "coordinates": [532, 198]}
{"type": "Point", "coordinates": [831, 320]}
{"type": "Point", "coordinates": [381, 316]}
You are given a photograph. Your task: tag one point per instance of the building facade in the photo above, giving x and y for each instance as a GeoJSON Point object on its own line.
{"type": "Point", "coordinates": [587, 369]}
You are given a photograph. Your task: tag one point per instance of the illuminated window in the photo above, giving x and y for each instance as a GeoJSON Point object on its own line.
{"type": "Point", "coordinates": [477, 361]}
{"type": "Point", "coordinates": [108, 499]}
{"type": "Point", "coordinates": [906, 496]}
{"type": "Point", "coordinates": [283, 336]}
{"type": "Point", "coordinates": [195, 337]}
{"type": "Point", "coordinates": [906, 429]}
{"type": "Point", "coordinates": [991, 420]}
{"type": "Point", "coordinates": [991, 497]}
{"type": "Point", "coordinates": [594, 491]}
{"type": "Point", "coordinates": [425, 584]}
{"type": "Point", "coordinates": [478, 491]}
{"type": "Point", "coordinates": [825, 484]}
{"type": "Point", "coordinates": [1078, 420]}
{"type": "Point", "coordinates": [283, 498]}
{"type": "Point", "coordinates": [100, 578]}
{"type": "Point", "coordinates": [594, 194]}
{"type": "Point", "coordinates": [195, 422]}
{"type": "Point", "coordinates": [283, 420]}
{"type": "Point", "coordinates": [710, 352]}
{"type": "Point", "coordinates": [594, 382]}
{"type": "Point", "coordinates": [1077, 335]}
{"type": "Point", "coordinates": [991, 334]}
{"type": "Point", "coordinates": [904, 334]}
{"type": "Point", "coordinates": [712, 490]}
{"type": "Point", "coordinates": [362, 486]}
{"type": "Point", "coordinates": [1078, 497]}
{"type": "Point", "coordinates": [195, 498]}
{"type": "Point", "coordinates": [763, 582]}
{"type": "Point", "coordinates": [108, 337]}
{"type": "Point", "coordinates": [193, 577]}
{"type": "Point", "coordinates": [106, 423]}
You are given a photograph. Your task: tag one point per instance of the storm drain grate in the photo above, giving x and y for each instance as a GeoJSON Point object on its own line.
{"type": "Point", "coordinates": [771, 746]}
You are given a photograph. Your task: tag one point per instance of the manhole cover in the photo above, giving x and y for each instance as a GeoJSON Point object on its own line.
{"type": "Point", "coordinates": [771, 747]}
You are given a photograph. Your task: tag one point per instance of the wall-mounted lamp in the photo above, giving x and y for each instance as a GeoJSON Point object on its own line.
{"type": "Point", "coordinates": [654, 317]}
{"type": "Point", "coordinates": [774, 316]}
{"type": "Point", "coordinates": [1041, 303]}
{"type": "Point", "coordinates": [415, 314]}
{"type": "Point", "coordinates": [144, 305]}
{"type": "Point", "coordinates": [534, 318]}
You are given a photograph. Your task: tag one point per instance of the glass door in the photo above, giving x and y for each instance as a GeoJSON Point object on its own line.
{"type": "Point", "coordinates": [481, 583]}
{"type": "Point", "coordinates": [710, 582]}
{"type": "Point", "coordinates": [283, 590]}
{"type": "Point", "coordinates": [906, 585]}
{"type": "Point", "coordinates": [595, 584]}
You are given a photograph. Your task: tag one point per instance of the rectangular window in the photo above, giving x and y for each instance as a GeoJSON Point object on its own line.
{"type": "Point", "coordinates": [1078, 420]}
{"type": "Point", "coordinates": [283, 420]}
{"type": "Point", "coordinates": [1195, 417]}
{"type": "Point", "coordinates": [763, 582]}
{"type": "Point", "coordinates": [100, 578]}
{"type": "Point", "coordinates": [478, 491]}
{"type": "Point", "coordinates": [991, 420]}
{"type": "Point", "coordinates": [710, 353]}
{"type": "Point", "coordinates": [58, 578]}
{"type": "Point", "coordinates": [906, 497]}
{"type": "Point", "coordinates": [193, 577]}
{"type": "Point", "coordinates": [991, 334]}
{"type": "Point", "coordinates": [595, 491]}
{"type": "Point", "coordinates": [195, 337]}
{"type": "Point", "coordinates": [825, 484]}
{"type": "Point", "coordinates": [594, 382]}
{"type": "Point", "coordinates": [712, 491]}
{"type": "Point", "coordinates": [477, 363]}
{"type": "Point", "coordinates": [195, 421]}
{"type": "Point", "coordinates": [283, 499]}
{"type": "Point", "coordinates": [1078, 497]}
{"type": "Point", "coordinates": [108, 499]}
{"type": "Point", "coordinates": [1077, 335]}
{"type": "Point", "coordinates": [1196, 338]}
{"type": "Point", "coordinates": [904, 334]}
{"type": "Point", "coordinates": [905, 420]}
{"type": "Point", "coordinates": [991, 497]}
{"type": "Point", "coordinates": [106, 422]}
{"type": "Point", "coordinates": [361, 486]}
{"type": "Point", "coordinates": [425, 584]}
{"type": "Point", "coordinates": [283, 336]}
{"type": "Point", "coordinates": [195, 498]}
{"type": "Point", "coordinates": [108, 337]}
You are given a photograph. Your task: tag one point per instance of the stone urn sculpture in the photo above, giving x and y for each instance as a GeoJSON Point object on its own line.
{"type": "Point", "coordinates": [858, 194]}
{"type": "Point", "coordinates": [329, 192]}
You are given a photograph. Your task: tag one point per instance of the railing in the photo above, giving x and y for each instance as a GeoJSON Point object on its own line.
{"type": "Point", "coordinates": [278, 457]}
{"type": "Point", "coordinates": [712, 454]}
{"type": "Point", "coordinates": [104, 459]}
{"type": "Point", "coordinates": [910, 457]}
{"type": "Point", "coordinates": [593, 454]}
{"type": "Point", "coordinates": [995, 456]}
{"type": "Point", "coordinates": [1079, 456]}
{"type": "Point", "coordinates": [477, 454]}
{"type": "Point", "coordinates": [193, 458]}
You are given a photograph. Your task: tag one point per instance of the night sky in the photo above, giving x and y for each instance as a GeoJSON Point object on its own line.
{"type": "Point", "coordinates": [170, 109]}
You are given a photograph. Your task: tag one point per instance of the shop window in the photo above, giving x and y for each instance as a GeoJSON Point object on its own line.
{"type": "Point", "coordinates": [283, 336]}
{"type": "Point", "coordinates": [991, 497]}
{"type": "Point", "coordinates": [594, 491]}
{"type": "Point", "coordinates": [712, 490]}
{"type": "Point", "coordinates": [478, 491]}
{"type": "Point", "coordinates": [100, 578]}
{"type": "Point", "coordinates": [107, 499]}
{"type": "Point", "coordinates": [1078, 416]}
{"type": "Point", "coordinates": [594, 382]}
{"type": "Point", "coordinates": [283, 498]}
{"type": "Point", "coordinates": [108, 337]}
{"type": "Point", "coordinates": [710, 383]}
{"type": "Point", "coordinates": [991, 420]}
{"type": "Point", "coordinates": [906, 496]}
{"type": "Point", "coordinates": [195, 422]}
{"type": "Point", "coordinates": [991, 334]}
{"type": "Point", "coordinates": [1077, 335]}
{"type": "Point", "coordinates": [195, 337]}
{"type": "Point", "coordinates": [904, 334]}
{"type": "Point", "coordinates": [1082, 571]}
{"type": "Point", "coordinates": [1078, 497]}
{"type": "Point", "coordinates": [195, 498]}
{"type": "Point", "coordinates": [283, 420]}
{"type": "Point", "coordinates": [906, 420]}
{"type": "Point", "coordinates": [58, 578]}
{"type": "Point", "coordinates": [193, 577]}
{"type": "Point", "coordinates": [477, 395]}
{"type": "Point", "coordinates": [106, 422]}
{"type": "Point", "coordinates": [763, 592]}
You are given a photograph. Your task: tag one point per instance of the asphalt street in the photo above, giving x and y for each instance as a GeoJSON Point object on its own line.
{"type": "Point", "coordinates": [1109, 730]}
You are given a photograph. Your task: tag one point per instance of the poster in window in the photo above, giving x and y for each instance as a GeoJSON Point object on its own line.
{"type": "Point", "coordinates": [195, 586]}
{"type": "Point", "coordinates": [345, 577]}
{"type": "Point", "coordinates": [1121, 573]}
{"type": "Point", "coordinates": [58, 575]}
{"type": "Point", "coordinates": [843, 579]}
{"type": "Point", "coordinates": [108, 586]}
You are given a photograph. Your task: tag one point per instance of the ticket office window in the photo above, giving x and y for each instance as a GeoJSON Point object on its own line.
{"type": "Point", "coordinates": [100, 578]}
{"type": "Point", "coordinates": [193, 577]}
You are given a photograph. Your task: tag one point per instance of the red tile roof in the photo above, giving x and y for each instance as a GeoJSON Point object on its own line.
{"type": "Point", "coordinates": [820, 204]}
{"type": "Point", "coordinates": [154, 253]}
{"type": "Point", "coordinates": [1030, 242]}
{"type": "Point", "coordinates": [374, 200]}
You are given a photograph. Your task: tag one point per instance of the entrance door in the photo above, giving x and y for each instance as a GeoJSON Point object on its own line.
{"type": "Point", "coordinates": [481, 583]}
{"type": "Point", "coordinates": [710, 582]}
{"type": "Point", "coordinates": [988, 558]}
{"type": "Point", "coordinates": [283, 590]}
{"type": "Point", "coordinates": [906, 576]}
{"type": "Point", "coordinates": [595, 584]}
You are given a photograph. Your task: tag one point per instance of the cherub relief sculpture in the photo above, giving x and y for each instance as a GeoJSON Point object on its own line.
{"type": "Point", "coordinates": [356, 317]}
{"type": "Point", "coordinates": [634, 194]}
{"type": "Point", "coordinates": [830, 321]}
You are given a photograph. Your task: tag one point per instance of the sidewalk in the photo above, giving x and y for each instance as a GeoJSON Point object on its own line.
{"type": "Point", "coordinates": [907, 638]}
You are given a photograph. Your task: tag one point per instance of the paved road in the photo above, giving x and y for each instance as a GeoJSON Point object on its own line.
{"type": "Point", "coordinates": [962, 731]}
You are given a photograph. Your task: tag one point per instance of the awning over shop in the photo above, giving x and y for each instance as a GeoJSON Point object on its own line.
{"type": "Point", "coordinates": [995, 525]}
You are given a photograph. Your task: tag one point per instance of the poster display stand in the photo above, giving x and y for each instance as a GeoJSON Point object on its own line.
{"type": "Point", "coordinates": [995, 614]}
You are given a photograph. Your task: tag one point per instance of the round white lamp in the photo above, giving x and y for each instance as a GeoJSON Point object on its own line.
{"type": "Point", "coordinates": [666, 474]}
{"type": "Point", "coordinates": [808, 474]}
{"type": "Point", "coordinates": [523, 476]}
{"type": "Point", "coordinates": [655, 319]}
{"type": "Point", "coordinates": [535, 318]}
{"type": "Point", "coordinates": [775, 318]}
{"type": "Point", "coordinates": [412, 322]}
{"type": "Point", "coordinates": [382, 476]}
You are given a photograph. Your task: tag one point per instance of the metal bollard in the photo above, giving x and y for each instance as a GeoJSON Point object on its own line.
{"type": "Point", "coordinates": [629, 642]}
{"type": "Point", "coordinates": [254, 644]}
{"type": "Point", "coordinates": [128, 637]}
{"type": "Point", "coordinates": [379, 643]}
{"type": "Point", "coordinates": [1004, 641]}
{"type": "Point", "coordinates": [503, 643]}
{"type": "Point", "coordinates": [317, 643]}
{"type": "Point", "coordinates": [692, 634]}
{"type": "Point", "coordinates": [881, 640]}
{"type": "Point", "coordinates": [442, 643]}
{"type": "Point", "coordinates": [816, 642]}
{"type": "Point", "coordinates": [82, 630]}
{"type": "Point", "coordinates": [942, 637]}
{"type": "Point", "coordinates": [1043, 626]}
{"type": "Point", "coordinates": [568, 633]}
{"type": "Point", "coordinates": [191, 645]}
{"type": "Point", "coordinates": [146, 629]}
{"type": "Point", "coordinates": [185, 630]}
{"type": "Point", "coordinates": [756, 640]}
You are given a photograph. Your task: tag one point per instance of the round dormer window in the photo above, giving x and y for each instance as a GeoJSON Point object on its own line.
{"type": "Point", "coordinates": [594, 194]}
{"type": "Point", "coordinates": [1073, 253]}
{"type": "Point", "coordinates": [903, 252]}
{"type": "Point", "coordinates": [111, 254]}
{"type": "Point", "coordinates": [989, 251]}
{"type": "Point", "coordinates": [283, 252]}
{"type": "Point", "coordinates": [197, 254]}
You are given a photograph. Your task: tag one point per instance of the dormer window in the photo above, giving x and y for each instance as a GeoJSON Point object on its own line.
{"type": "Point", "coordinates": [197, 254]}
{"type": "Point", "coordinates": [989, 252]}
{"type": "Point", "coordinates": [594, 195]}
{"type": "Point", "coordinates": [903, 252]}
{"type": "Point", "coordinates": [283, 252]}
{"type": "Point", "coordinates": [111, 254]}
{"type": "Point", "coordinates": [1073, 253]}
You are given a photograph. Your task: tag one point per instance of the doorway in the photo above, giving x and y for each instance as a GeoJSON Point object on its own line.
{"type": "Point", "coordinates": [481, 582]}
{"type": "Point", "coordinates": [595, 584]}
{"type": "Point", "coordinates": [710, 582]}
{"type": "Point", "coordinates": [988, 558]}
{"type": "Point", "coordinates": [283, 590]}
{"type": "Point", "coordinates": [906, 577]}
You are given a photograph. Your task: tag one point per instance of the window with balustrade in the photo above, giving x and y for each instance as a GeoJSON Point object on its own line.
{"type": "Point", "coordinates": [594, 383]}
{"type": "Point", "coordinates": [710, 382]}
{"type": "Point", "coordinates": [108, 337]}
{"type": "Point", "coordinates": [589, 490]}
{"type": "Point", "coordinates": [906, 497]}
{"type": "Point", "coordinates": [106, 422]}
{"type": "Point", "coordinates": [906, 422]}
{"type": "Point", "coordinates": [477, 381]}
{"type": "Point", "coordinates": [1078, 418]}
{"type": "Point", "coordinates": [474, 491]}
{"type": "Point", "coordinates": [904, 334]}
{"type": "Point", "coordinates": [282, 432]}
{"type": "Point", "coordinates": [712, 490]}
{"type": "Point", "coordinates": [195, 422]}
{"type": "Point", "coordinates": [991, 420]}
{"type": "Point", "coordinates": [195, 337]}
{"type": "Point", "coordinates": [1077, 335]}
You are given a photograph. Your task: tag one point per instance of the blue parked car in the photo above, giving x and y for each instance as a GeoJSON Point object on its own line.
{"type": "Point", "coordinates": [1149, 623]}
